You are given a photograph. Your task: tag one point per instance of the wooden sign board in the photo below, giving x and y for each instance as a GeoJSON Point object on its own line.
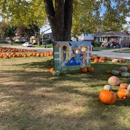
{"type": "Point", "coordinates": [71, 55]}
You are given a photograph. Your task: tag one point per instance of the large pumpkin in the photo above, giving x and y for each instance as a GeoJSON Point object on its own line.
{"type": "Point", "coordinates": [107, 97]}
{"type": "Point", "coordinates": [123, 93]}
{"type": "Point", "coordinates": [113, 80]}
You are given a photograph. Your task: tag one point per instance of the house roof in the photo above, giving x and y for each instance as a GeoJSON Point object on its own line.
{"type": "Point", "coordinates": [112, 33]}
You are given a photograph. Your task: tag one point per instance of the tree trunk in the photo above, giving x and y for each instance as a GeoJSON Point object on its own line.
{"type": "Point", "coordinates": [60, 18]}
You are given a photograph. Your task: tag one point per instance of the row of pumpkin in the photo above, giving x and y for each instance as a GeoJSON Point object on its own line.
{"type": "Point", "coordinates": [123, 71]}
{"type": "Point", "coordinates": [10, 49]}
{"type": "Point", "coordinates": [108, 96]}
{"type": "Point", "coordinates": [99, 59]}
{"type": "Point", "coordinates": [83, 70]}
{"type": "Point", "coordinates": [35, 54]}
{"type": "Point", "coordinates": [6, 52]}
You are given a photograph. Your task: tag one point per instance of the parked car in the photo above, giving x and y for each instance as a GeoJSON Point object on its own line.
{"type": "Point", "coordinates": [3, 41]}
{"type": "Point", "coordinates": [27, 44]}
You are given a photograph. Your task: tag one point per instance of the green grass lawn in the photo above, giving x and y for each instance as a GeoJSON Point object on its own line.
{"type": "Point", "coordinates": [32, 99]}
{"type": "Point", "coordinates": [123, 51]}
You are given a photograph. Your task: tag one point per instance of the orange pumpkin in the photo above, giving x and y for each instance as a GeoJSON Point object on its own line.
{"type": "Point", "coordinates": [90, 69]}
{"type": "Point", "coordinates": [108, 71]}
{"type": "Point", "coordinates": [123, 85]}
{"type": "Point", "coordinates": [96, 60]}
{"type": "Point", "coordinates": [123, 93]}
{"type": "Point", "coordinates": [101, 59]}
{"type": "Point", "coordinates": [105, 58]}
{"type": "Point", "coordinates": [92, 57]}
{"type": "Point", "coordinates": [51, 70]}
{"type": "Point", "coordinates": [120, 60]}
{"type": "Point", "coordinates": [107, 97]}
{"type": "Point", "coordinates": [84, 70]}
{"type": "Point", "coordinates": [128, 67]}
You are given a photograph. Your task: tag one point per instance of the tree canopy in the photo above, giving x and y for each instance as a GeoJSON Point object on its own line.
{"type": "Point", "coordinates": [67, 16]}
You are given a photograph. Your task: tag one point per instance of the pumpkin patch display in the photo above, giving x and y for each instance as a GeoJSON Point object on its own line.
{"type": "Point", "coordinates": [107, 97]}
{"type": "Point", "coordinates": [123, 85]}
{"type": "Point", "coordinates": [113, 80]}
{"type": "Point", "coordinates": [122, 93]}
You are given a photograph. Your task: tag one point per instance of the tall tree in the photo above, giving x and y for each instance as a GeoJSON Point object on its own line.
{"type": "Point", "coordinates": [67, 16]}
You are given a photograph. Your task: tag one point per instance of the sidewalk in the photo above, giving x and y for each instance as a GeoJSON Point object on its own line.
{"type": "Point", "coordinates": [110, 53]}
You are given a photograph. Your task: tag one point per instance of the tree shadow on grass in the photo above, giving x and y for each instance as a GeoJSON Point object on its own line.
{"type": "Point", "coordinates": [38, 100]}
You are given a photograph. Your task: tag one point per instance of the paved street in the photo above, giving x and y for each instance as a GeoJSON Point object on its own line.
{"type": "Point", "coordinates": [110, 53]}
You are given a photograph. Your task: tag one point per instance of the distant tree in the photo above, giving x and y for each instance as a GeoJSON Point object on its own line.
{"type": "Point", "coordinates": [3, 27]}
{"type": "Point", "coordinates": [27, 32]}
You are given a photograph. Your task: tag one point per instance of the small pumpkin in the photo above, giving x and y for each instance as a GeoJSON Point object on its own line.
{"type": "Point", "coordinates": [101, 59]}
{"type": "Point", "coordinates": [114, 60]}
{"type": "Point", "coordinates": [96, 60]}
{"type": "Point", "coordinates": [121, 60]}
{"type": "Point", "coordinates": [107, 97]}
{"type": "Point", "coordinates": [125, 74]}
{"type": "Point", "coordinates": [84, 70]}
{"type": "Point", "coordinates": [108, 87]}
{"type": "Point", "coordinates": [123, 69]}
{"type": "Point", "coordinates": [105, 58]}
{"type": "Point", "coordinates": [51, 70]}
{"type": "Point", "coordinates": [123, 85]}
{"type": "Point", "coordinates": [90, 69]}
{"type": "Point", "coordinates": [128, 67]}
{"type": "Point", "coordinates": [115, 72]}
{"type": "Point", "coordinates": [108, 71]}
{"type": "Point", "coordinates": [123, 93]}
{"type": "Point", "coordinates": [56, 73]}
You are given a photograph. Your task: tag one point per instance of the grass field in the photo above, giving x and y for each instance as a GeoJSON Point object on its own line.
{"type": "Point", "coordinates": [32, 99]}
